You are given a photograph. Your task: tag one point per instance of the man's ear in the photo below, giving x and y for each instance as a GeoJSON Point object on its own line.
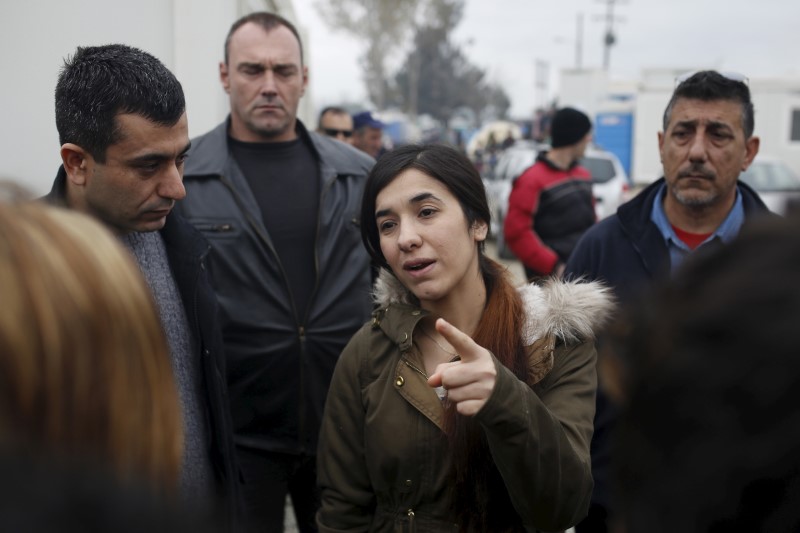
{"type": "Point", "coordinates": [751, 147]}
{"type": "Point", "coordinates": [77, 163]}
{"type": "Point", "coordinates": [305, 80]}
{"type": "Point", "coordinates": [223, 77]}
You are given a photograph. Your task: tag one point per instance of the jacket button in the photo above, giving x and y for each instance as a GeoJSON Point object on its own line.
{"type": "Point", "coordinates": [415, 312]}
{"type": "Point", "coordinates": [405, 337]}
{"type": "Point", "coordinates": [408, 483]}
{"type": "Point", "coordinates": [399, 381]}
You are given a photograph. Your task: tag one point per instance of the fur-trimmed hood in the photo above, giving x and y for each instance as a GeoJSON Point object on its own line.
{"type": "Point", "coordinates": [570, 310]}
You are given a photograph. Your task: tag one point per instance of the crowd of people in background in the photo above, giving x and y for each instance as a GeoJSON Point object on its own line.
{"type": "Point", "coordinates": [193, 330]}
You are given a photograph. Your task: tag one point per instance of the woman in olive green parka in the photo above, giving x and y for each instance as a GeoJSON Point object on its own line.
{"type": "Point", "coordinates": [465, 404]}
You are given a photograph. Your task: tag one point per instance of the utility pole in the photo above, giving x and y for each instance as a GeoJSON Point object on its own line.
{"type": "Point", "coordinates": [541, 81]}
{"type": "Point", "coordinates": [610, 38]}
{"type": "Point", "coordinates": [579, 43]}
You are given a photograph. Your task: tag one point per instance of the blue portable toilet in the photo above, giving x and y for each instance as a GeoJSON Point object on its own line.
{"type": "Point", "coordinates": [613, 131]}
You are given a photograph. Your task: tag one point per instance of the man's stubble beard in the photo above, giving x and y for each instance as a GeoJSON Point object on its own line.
{"type": "Point", "coordinates": [695, 201]}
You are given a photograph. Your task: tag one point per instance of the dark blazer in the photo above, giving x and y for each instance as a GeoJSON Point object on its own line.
{"type": "Point", "coordinates": [187, 253]}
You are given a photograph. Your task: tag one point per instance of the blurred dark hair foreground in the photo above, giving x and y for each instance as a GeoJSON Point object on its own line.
{"type": "Point", "coordinates": [707, 369]}
{"type": "Point", "coordinates": [41, 494]}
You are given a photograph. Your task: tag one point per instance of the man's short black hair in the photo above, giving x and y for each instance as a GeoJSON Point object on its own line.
{"type": "Point", "coordinates": [709, 86]}
{"type": "Point", "coordinates": [99, 82]}
{"type": "Point", "coordinates": [267, 21]}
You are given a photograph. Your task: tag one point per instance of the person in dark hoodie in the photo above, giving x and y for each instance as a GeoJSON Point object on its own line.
{"type": "Point", "coordinates": [551, 204]}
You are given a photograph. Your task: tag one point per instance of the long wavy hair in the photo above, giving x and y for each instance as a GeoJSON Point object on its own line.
{"type": "Point", "coordinates": [478, 489]}
{"type": "Point", "coordinates": [85, 371]}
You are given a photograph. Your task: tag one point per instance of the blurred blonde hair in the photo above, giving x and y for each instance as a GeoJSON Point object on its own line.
{"type": "Point", "coordinates": [84, 364]}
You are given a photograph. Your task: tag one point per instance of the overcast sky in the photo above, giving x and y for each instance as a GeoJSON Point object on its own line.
{"type": "Point", "coordinates": [507, 38]}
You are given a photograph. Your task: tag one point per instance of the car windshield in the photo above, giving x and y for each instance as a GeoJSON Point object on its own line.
{"type": "Point", "coordinates": [601, 169]}
{"type": "Point", "coordinates": [770, 176]}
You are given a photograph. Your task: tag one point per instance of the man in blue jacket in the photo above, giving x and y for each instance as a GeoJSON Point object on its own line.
{"type": "Point", "coordinates": [121, 120]}
{"type": "Point", "coordinates": [280, 206]}
{"type": "Point", "coordinates": [699, 204]}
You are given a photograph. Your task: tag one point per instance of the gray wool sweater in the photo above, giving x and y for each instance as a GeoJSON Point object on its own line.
{"type": "Point", "coordinates": [197, 476]}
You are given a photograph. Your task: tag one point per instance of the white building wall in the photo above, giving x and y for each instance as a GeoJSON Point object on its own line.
{"type": "Point", "coordinates": [36, 36]}
{"type": "Point", "coordinates": [651, 101]}
{"type": "Point", "coordinates": [774, 101]}
{"type": "Point", "coordinates": [583, 89]}
{"type": "Point", "coordinates": [198, 43]}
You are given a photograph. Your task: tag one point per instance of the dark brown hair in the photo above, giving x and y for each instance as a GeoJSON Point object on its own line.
{"type": "Point", "coordinates": [478, 489]}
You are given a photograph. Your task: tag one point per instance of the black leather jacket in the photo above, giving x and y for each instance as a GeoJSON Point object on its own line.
{"type": "Point", "coordinates": [279, 368]}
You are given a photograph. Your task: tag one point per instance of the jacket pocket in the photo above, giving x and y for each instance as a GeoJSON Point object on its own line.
{"type": "Point", "coordinates": [217, 228]}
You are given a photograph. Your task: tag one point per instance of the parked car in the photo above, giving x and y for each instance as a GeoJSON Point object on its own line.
{"type": "Point", "coordinates": [774, 181]}
{"type": "Point", "coordinates": [609, 182]}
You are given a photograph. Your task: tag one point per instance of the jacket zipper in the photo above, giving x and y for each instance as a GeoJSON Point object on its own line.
{"type": "Point", "coordinates": [199, 337]}
{"type": "Point", "coordinates": [414, 368]}
{"type": "Point", "coordinates": [301, 330]}
{"type": "Point", "coordinates": [412, 526]}
{"type": "Point", "coordinates": [261, 234]}
{"type": "Point", "coordinates": [328, 186]}
{"type": "Point", "coordinates": [215, 228]}
{"type": "Point", "coordinates": [440, 391]}
{"type": "Point", "coordinates": [303, 430]}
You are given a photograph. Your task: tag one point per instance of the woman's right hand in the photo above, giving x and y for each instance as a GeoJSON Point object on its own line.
{"type": "Point", "coordinates": [470, 381]}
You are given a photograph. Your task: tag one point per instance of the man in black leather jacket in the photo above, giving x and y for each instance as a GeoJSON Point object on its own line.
{"type": "Point", "coordinates": [280, 207]}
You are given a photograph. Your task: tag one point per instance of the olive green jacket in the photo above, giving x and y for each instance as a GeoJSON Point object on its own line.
{"type": "Point", "coordinates": [383, 462]}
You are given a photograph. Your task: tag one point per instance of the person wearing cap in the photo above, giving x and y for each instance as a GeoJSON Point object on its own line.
{"type": "Point", "coordinates": [696, 207]}
{"type": "Point", "coordinates": [336, 122]}
{"type": "Point", "coordinates": [367, 133]}
{"type": "Point", "coordinates": [551, 204]}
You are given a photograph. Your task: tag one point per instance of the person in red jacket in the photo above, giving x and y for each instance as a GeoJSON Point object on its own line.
{"type": "Point", "coordinates": [551, 203]}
